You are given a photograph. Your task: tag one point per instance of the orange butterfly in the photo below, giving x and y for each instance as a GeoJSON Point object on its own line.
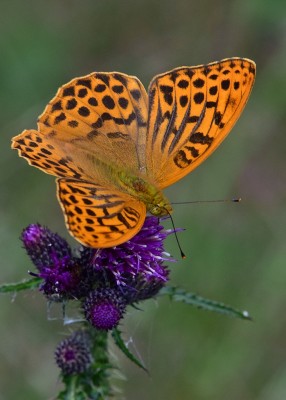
{"type": "Point", "coordinates": [114, 147]}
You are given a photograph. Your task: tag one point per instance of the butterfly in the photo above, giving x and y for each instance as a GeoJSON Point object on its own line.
{"type": "Point", "coordinates": [113, 147]}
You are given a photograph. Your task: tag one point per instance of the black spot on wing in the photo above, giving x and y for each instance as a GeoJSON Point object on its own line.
{"type": "Point", "coordinates": [213, 90]}
{"type": "Point", "coordinates": [225, 84]}
{"type": "Point", "coordinates": [118, 89]}
{"type": "Point", "coordinates": [136, 94]}
{"type": "Point", "coordinates": [82, 92]}
{"type": "Point", "coordinates": [104, 78]}
{"type": "Point", "coordinates": [183, 84]}
{"type": "Point", "coordinates": [60, 118]}
{"type": "Point", "coordinates": [69, 91]}
{"type": "Point", "coordinates": [199, 137]}
{"type": "Point", "coordinates": [84, 82]}
{"type": "Point", "coordinates": [199, 83]}
{"type": "Point", "coordinates": [123, 102]}
{"type": "Point", "coordinates": [121, 79]}
{"type": "Point", "coordinates": [92, 101]}
{"type": "Point", "coordinates": [199, 97]}
{"type": "Point", "coordinates": [100, 88]}
{"type": "Point", "coordinates": [108, 102]}
{"type": "Point", "coordinates": [57, 106]}
{"type": "Point", "coordinates": [73, 124]}
{"type": "Point", "coordinates": [71, 104]}
{"type": "Point", "coordinates": [83, 111]}
{"type": "Point", "coordinates": [184, 101]}
{"type": "Point", "coordinates": [168, 93]}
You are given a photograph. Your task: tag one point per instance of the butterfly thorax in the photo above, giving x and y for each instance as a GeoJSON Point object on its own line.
{"type": "Point", "coordinates": [139, 188]}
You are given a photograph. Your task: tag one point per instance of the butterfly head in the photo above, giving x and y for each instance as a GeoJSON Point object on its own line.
{"type": "Point", "coordinates": [157, 204]}
{"type": "Point", "coordinates": [160, 208]}
{"type": "Point", "coordinates": [145, 191]}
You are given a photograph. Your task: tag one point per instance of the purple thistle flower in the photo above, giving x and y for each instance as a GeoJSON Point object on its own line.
{"type": "Point", "coordinates": [137, 289]}
{"type": "Point", "coordinates": [73, 355]}
{"type": "Point", "coordinates": [43, 246]}
{"type": "Point", "coordinates": [104, 307]}
{"type": "Point", "coordinates": [61, 280]}
{"type": "Point", "coordinates": [61, 272]}
{"type": "Point", "coordinates": [142, 256]}
{"type": "Point", "coordinates": [105, 280]}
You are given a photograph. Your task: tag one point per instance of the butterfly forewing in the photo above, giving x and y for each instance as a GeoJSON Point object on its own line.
{"type": "Point", "coordinates": [50, 156]}
{"type": "Point", "coordinates": [191, 110]}
{"type": "Point", "coordinates": [98, 216]}
{"type": "Point", "coordinates": [101, 113]}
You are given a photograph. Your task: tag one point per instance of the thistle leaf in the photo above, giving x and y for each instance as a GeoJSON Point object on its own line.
{"type": "Point", "coordinates": [178, 294]}
{"type": "Point", "coordinates": [116, 334]}
{"type": "Point", "coordinates": [18, 286]}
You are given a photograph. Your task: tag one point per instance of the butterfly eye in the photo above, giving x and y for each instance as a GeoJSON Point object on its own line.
{"type": "Point", "coordinates": [159, 210]}
{"type": "Point", "coordinates": [156, 210]}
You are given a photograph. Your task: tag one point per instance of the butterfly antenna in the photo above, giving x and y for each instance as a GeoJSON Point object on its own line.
{"type": "Point", "coordinates": [235, 200]}
{"type": "Point", "coordinates": [176, 236]}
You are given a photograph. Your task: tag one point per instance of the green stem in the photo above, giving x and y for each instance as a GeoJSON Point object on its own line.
{"type": "Point", "coordinates": [95, 382]}
{"type": "Point", "coordinates": [101, 364]}
{"type": "Point", "coordinates": [71, 388]}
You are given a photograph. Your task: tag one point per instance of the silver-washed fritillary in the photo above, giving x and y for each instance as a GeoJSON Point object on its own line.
{"type": "Point", "coordinates": [114, 147]}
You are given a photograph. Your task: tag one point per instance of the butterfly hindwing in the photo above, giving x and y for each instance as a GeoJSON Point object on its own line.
{"type": "Point", "coordinates": [97, 216]}
{"type": "Point", "coordinates": [191, 110]}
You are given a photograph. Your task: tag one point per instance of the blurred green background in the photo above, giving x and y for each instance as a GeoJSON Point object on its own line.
{"type": "Point", "coordinates": [235, 253]}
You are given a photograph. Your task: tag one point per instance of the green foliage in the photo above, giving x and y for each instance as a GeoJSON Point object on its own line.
{"type": "Point", "coordinates": [32, 283]}
{"type": "Point", "coordinates": [181, 295]}
{"type": "Point", "coordinates": [116, 334]}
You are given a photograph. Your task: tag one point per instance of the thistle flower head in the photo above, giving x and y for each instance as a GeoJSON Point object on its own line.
{"type": "Point", "coordinates": [104, 307]}
{"type": "Point", "coordinates": [143, 256]}
{"type": "Point", "coordinates": [51, 254]}
{"type": "Point", "coordinates": [43, 246]}
{"type": "Point", "coordinates": [105, 280]}
{"type": "Point", "coordinates": [73, 355]}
